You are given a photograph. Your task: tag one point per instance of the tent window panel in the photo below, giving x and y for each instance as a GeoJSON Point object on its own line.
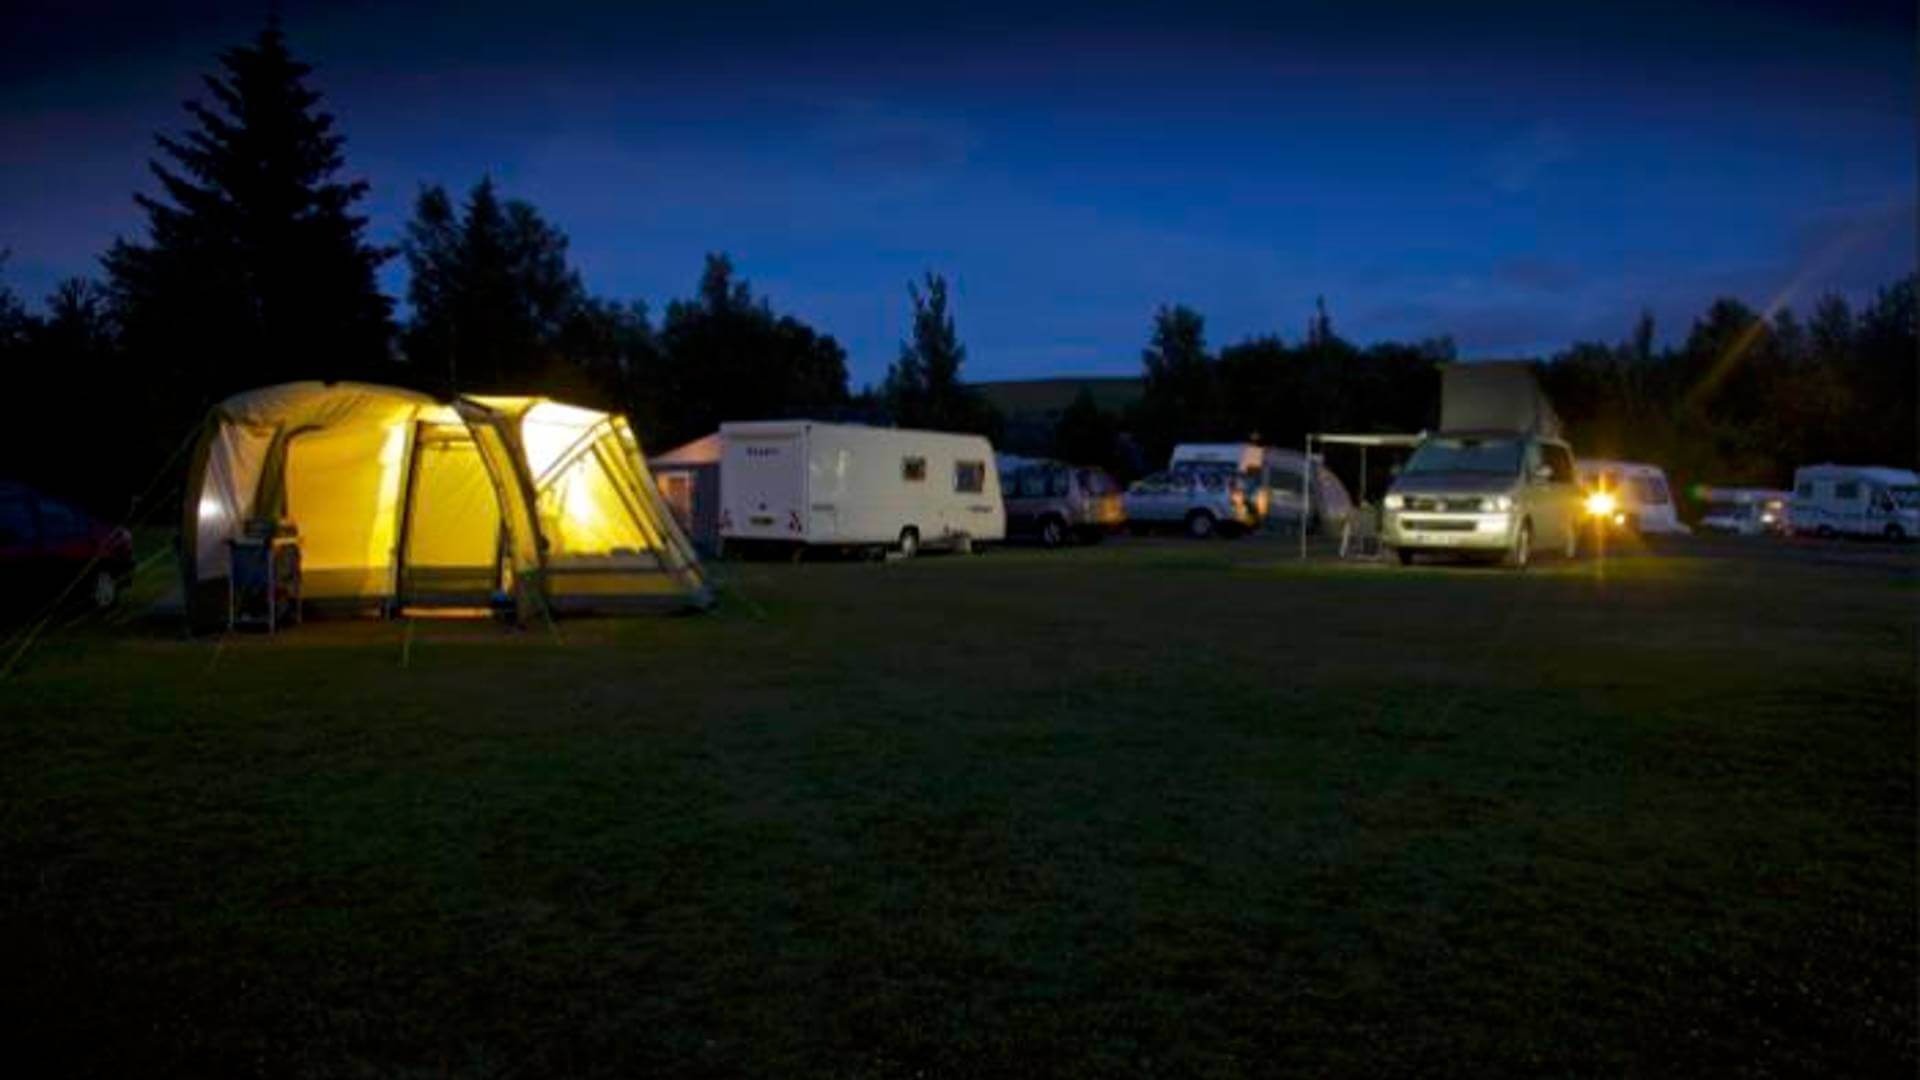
{"type": "Point", "coordinates": [583, 513]}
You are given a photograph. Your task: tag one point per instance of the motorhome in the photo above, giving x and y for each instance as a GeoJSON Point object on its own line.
{"type": "Point", "coordinates": [799, 484]}
{"type": "Point", "coordinates": [1856, 500]}
{"type": "Point", "coordinates": [1744, 511]}
{"type": "Point", "coordinates": [1628, 495]}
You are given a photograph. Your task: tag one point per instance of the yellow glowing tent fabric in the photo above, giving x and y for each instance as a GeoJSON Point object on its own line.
{"type": "Point", "coordinates": [398, 499]}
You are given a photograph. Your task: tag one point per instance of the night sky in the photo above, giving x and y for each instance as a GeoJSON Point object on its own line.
{"type": "Point", "coordinates": [1518, 176]}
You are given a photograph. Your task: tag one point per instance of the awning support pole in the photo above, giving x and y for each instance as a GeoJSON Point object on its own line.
{"type": "Point", "coordinates": [1306, 495]}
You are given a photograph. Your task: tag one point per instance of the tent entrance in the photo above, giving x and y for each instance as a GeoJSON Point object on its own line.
{"type": "Point", "coordinates": [451, 547]}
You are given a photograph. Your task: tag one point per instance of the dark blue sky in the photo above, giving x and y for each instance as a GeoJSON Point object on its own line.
{"type": "Point", "coordinates": [1514, 175]}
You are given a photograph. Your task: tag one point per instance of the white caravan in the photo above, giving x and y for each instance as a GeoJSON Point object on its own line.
{"type": "Point", "coordinates": [1270, 478]}
{"type": "Point", "coordinates": [1634, 495]}
{"type": "Point", "coordinates": [1744, 511]}
{"type": "Point", "coordinates": [798, 482]}
{"type": "Point", "coordinates": [1857, 500]}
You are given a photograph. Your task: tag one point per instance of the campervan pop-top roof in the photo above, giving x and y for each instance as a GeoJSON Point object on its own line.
{"type": "Point", "coordinates": [1495, 396]}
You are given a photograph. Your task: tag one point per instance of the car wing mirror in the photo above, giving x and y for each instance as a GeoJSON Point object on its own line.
{"type": "Point", "coordinates": [1542, 473]}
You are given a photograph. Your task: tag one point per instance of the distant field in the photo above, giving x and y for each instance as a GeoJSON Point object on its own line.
{"type": "Point", "coordinates": [1018, 397]}
{"type": "Point", "coordinates": [1148, 809]}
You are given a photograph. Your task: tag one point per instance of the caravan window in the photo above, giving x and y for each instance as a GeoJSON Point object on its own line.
{"type": "Point", "coordinates": [1847, 491]}
{"type": "Point", "coordinates": [970, 476]}
{"type": "Point", "coordinates": [913, 469]}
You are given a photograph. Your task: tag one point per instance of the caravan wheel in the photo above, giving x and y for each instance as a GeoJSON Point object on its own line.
{"type": "Point", "coordinates": [909, 542]}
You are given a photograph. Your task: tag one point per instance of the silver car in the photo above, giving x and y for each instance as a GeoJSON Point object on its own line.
{"type": "Point", "coordinates": [1505, 494]}
{"type": "Point", "coordinates": [1200, 502]}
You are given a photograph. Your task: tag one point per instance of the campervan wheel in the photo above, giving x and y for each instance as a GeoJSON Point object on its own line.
{"type": "Point", "coordinates": [1521, 553]}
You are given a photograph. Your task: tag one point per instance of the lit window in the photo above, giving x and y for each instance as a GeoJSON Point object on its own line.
{"type": "Point", "coordinates": [913, 469]}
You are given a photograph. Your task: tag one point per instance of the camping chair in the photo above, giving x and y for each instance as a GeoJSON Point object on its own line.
{"type": "Point", "coordinates": [263, 576]}
{"type": "Point", "coordinates": [1360, 533]}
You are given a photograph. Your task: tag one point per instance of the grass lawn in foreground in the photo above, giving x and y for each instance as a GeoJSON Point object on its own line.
{"type": "Point", "coordinates": [1152, 808]}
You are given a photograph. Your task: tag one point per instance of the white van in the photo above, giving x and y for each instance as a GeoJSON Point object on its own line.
{"type": "Point", "coordinates": [1744, 511]}
{"type": "Point", "coordinates": [1270, 478]}
{"type": "Point", "coordinates": [1856, 500]}
{"type": "Point", "coordinates": [1635, 495]}
{"type": "Point", "coordinates": [803, 483]}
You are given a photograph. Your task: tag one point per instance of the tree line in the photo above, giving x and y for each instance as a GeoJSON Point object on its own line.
{"type": "Point", "coordinates": [256, 268]}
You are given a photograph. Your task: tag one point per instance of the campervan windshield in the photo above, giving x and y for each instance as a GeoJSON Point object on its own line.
{"type": "Point", "coordinates": [1907, 498]}
{"type": "Point", "coordinates": [1452, 454]}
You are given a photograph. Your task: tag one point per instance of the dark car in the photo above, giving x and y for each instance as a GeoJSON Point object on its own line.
{"type": "Point", "coordinates": [1054, 502]}
{"type": "Point", "coordinates": [47, 545]}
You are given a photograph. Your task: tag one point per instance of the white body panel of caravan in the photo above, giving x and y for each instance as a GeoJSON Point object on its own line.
{"type": "Point", "coordinates": [1640, 491]}
{"type": "Point", "coordinates": [846, 484]}
{"type": "Point", "coordinates": [1858, 500]}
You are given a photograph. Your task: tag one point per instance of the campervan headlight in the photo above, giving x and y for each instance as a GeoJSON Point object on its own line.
{"type": "Point", "coordinates": [1395, 502]}
{"type": "Point", "coordinates": [1602, 504]}
{"type": "Point", "coordinates": [1499, 504]}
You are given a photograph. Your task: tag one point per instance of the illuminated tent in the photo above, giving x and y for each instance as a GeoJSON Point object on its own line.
{"type": "Point", "coordinates": [399, 500]}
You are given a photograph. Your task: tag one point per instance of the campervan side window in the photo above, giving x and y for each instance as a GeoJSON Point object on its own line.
{"type": "Point", "coordinates": [1805, 490]}
{"type": "Point", "coordinates": [913, 469]}
{"type": "Point", "coordinates": [1848, 491]}
{"type": "Point", "coordinates": [1057, 482]}
{"type": "Point", "coordinates": [1652, 491]}
{"type": "Point", "coordinates": [1560, 460]}
{"type": "Point", "coordinates": [970, 476]}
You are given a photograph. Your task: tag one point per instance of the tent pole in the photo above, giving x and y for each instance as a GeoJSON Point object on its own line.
{"type": "Point", "coordinates": [1306, 495]}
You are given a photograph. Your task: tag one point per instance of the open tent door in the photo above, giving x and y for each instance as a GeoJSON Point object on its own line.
{"type": "Point", "coordinates": [451, 554]}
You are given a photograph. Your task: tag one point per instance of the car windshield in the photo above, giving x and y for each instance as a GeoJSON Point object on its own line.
{"type": "Point", "coordinates": [1907, 497]}
{"type": "Point", "coordinates": [1490, 457]}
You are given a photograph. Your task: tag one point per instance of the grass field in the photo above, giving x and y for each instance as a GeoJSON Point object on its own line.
{"type": "Point", "coordinates": [1150, 809]}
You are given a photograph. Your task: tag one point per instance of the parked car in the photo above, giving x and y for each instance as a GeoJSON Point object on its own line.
{"type": "Point", "coordinates": [1201, 502]}
{"type": "Point", "coordinates": [1502, 493]}
{"type": "Point", "coordinates": [1272, 480]}
{"type": "Point", "coordinates": [46, 544]}
{"type": "Point", "coordinates": [1054, 502]}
